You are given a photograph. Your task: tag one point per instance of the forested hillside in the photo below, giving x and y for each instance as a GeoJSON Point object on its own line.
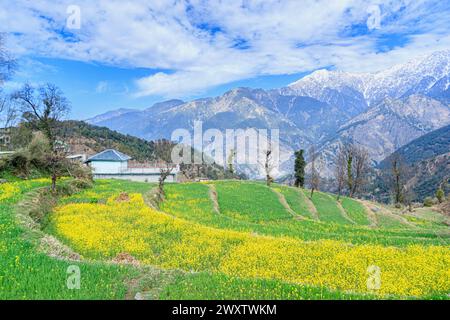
{"type": "Point", "coordinates": [82, 138]}
{"type": "Point", "coordinates": [427, 146]}
{"type": "Point", "coordinates": [426, 162]}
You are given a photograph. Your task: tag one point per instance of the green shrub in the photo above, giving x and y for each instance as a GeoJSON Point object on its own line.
{"type": "Point", "coordinates": [82, 183]}
{"type": "Point", "coordinates": [38, 150]}
{"type": "Point", "coordinates": [79, 171]}
{"type": "Point", "coordinates": [429, 202]}
{"type": "Point", "coordinates": [18, 162]}
{"type": "Point", "coordinates": [440, 195]}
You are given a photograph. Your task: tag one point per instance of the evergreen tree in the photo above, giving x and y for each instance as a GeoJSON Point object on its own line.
{"type": "Point", "coordinates": [299, 169]}
{"type": "Point", "coordinates": [440, 195]}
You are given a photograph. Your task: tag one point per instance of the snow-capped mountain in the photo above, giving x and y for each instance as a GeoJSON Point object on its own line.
{"type": "Point", "coordinates": [416, 76]}
{"type": "Point", "coordinates": [382, 110]}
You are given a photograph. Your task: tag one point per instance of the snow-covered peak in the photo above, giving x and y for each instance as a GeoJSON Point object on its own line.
{"type": "Point", "coordinates": [331, 79]}
{"type": "Point", "coordinates": [414, 76]}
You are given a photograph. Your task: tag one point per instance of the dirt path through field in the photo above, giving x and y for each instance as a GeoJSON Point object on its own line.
{"type": "Point", "coordinates": [370, 214]}
{"type": "Point", "coordinates": [309, 203]}
{"type": "Point", "coordinates": [385, 212]}
{"type": "Point", "coordinates": [284, 203]}
{"type": "Point", "coordinates": [341, 208]}
{"type": "Point", "coordinates": [213, 197]}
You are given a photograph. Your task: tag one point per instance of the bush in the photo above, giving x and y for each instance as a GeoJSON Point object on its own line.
{"type": "Point", "coordinates": [82, 183]}
{"type": "Point", "coordinates": [30, 162]}
{"type": "Point", "coordinates": [18, 162]}
{"type": "Point", "coordinates": [429, 201]}
{"type": "Point", "coordinates": [3, 164]}
{"type": "Point", "coordinates": [79, 171]}
{"type": "Point", "coordinates": [440, 195]}
{"type": "Point", "coordinates": [38, 150]}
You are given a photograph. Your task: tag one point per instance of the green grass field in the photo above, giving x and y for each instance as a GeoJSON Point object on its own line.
{"type": "Point", "coordinates": [297, 201]}
{"type": "Point", "coordinates": [184, 205]}
{"type": "Point", "coordinates": [234, 204]}
{"type": "Point", "coordinates": [355, 211]}
{"type": "Point", "coordinates": [327, 209]}
{"type": "Point", "coordinates": [246, 209]}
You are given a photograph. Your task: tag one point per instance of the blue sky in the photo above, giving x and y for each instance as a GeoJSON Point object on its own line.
{"type": "Point", "coordinates": [111, 54]}
{"type": "Point", "coordinates": [95, 88]}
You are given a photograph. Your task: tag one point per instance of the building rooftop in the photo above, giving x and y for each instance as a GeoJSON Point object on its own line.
{"type": "Point", "coordinates": [109, 155]}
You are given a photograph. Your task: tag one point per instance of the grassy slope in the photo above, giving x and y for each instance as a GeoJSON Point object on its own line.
{"type": "Point", "coordinates": [28, 274]}
{"type": "Point", "coordinates": [221, 287]}
{"type": "Point", "coordinates": [355, 211]}
{"type": "Point", "coordinates": [203, 285]}
{"type": "Point", "coordinates": [233, 202]}
{"type": "Point", "coordinates": [327, 209]}
{"type": "Point", "coordinates": [297, 201]}
{"type": "Point", "coordinates": [184, 204]}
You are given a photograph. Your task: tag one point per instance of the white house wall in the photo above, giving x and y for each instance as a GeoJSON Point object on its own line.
{"type": "Point", "coordinates": [109, 167]}
{"type": "Point", "coordinates": [135, 177]}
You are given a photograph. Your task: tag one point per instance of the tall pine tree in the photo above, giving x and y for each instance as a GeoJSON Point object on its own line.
{"type": "Point", "coordinates": [299, 169]}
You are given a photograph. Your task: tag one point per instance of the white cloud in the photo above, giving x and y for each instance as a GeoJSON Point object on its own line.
{"type": "Point", "coordinates": [206, 43]}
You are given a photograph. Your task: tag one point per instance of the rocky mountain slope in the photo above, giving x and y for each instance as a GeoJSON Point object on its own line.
{"type": "Point", "coordinates": [382, 111]}
{"type": "Point", "coordinates": [426, 147]}
{"type": "Point", "coordinates": [387, 126]}
{"type": "Point", "coordinates": [429, 160]}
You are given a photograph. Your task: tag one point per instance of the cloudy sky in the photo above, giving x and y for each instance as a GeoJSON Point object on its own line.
{"type": "Point", "coordinates": [108, 54]}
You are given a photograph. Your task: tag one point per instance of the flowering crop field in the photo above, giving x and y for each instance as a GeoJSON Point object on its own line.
{"type": "Point", "coordinates": [26, 273]}
{"type": "Point", "coordinates": [252, 247]}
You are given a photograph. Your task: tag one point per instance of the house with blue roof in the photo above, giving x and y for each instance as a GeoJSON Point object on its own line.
{"type": "Point", "coordinates": [113, 164]}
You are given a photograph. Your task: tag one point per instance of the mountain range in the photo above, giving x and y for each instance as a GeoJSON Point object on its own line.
{"type": "Point", "coordinates": [382, 111]}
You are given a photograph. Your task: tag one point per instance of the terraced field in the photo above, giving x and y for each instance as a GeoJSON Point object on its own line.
{"type": "Point", "coordinates": [243, 240]}
{"type": "Point", "coordinates": [254, 200]}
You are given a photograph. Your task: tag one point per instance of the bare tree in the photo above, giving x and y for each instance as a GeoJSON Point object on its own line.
{"type": "Point", "coordinates": [8, 113]}
{"type": "Point", "coordinates": [7, 62]}
{"type": "Point", "coordinates": [397, 178]}
{"type": "Point", "coordinates": [43, 108]}
{"type": "Point", "coordinates": [164, 172]}
{"type": "Point", "coordinates": [340, 170]}
{"type": "Point", "coordinates": [357, 163]}
{"type": "Point", "coordinates": [268, 164]}
{"type": "Point", "coordinates": [408, 196]}
{"type": "Point", "coordinates": [7, 65]}
{"type": "Point", "coordinates": [230, 161]}
{"type": "Point", "coordinates": [167, 166]}
{"type": "Point", "coordinates": [315, 174]}
{"type": "Point", "coordinates": [361, 169]}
